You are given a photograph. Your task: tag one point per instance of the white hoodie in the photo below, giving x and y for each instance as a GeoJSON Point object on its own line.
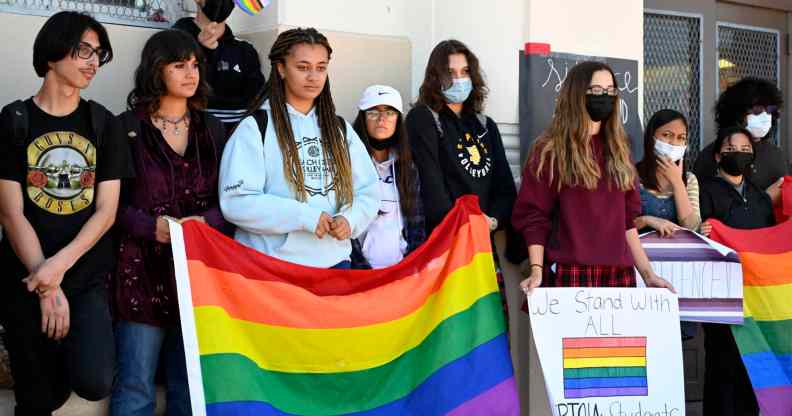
{"type": "Point", "coordinates": [256, 197]}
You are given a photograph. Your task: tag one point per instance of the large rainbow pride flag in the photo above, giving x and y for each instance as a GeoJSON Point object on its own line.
{"type": "Point", "coordinates": [765, 339]}
{"type": "Point", "coordinates": [267, 337]}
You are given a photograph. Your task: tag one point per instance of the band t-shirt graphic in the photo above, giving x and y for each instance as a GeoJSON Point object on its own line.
{"type": "Point", "coordinates": [59, 166]}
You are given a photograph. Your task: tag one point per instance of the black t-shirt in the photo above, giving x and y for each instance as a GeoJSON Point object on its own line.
{"type": "Point", "coordinates": [59, 167]}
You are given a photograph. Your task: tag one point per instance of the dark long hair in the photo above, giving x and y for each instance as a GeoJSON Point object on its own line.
{"type": "Point", "coordinates": [566, 144]}
{"type": "Point", "coordinates": [407, 180]}
{"type": "Point", "coordinates": [647, 167]}
{"type": "Point", "coordinates": [163, 48]}
{"type": "Point", "coordinates": [437, 78]}
{"type": "Point", "coordinates": [61, 36]}
{"type": "Point", "coordinates": [333, 142]}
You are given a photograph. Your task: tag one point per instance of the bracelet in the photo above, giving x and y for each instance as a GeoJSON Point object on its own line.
{"type": "Point", "coordinates": [537, 265]}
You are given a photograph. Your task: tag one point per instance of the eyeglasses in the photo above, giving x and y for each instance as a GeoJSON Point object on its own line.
{"type": "Point", "coordinates": [376, 114]}
{"type": "Point", "coordinates": [759, 109]}
{"type": "Point", "coordinates": [598, 90]}
{"type": "Point", "coordinates": [86, 51]}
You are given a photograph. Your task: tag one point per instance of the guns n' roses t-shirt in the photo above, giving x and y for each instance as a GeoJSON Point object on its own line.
{"type": "Point", "coordinates": [59, 166]}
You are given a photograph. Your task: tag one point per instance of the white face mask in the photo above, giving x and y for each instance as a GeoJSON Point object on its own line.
{"type": "Point", "coordinates": [675, 153]}
{"type": "Point", "coordinates": [759, 125]}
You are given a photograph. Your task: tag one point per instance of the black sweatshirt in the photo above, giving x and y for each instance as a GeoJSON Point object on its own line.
{"type": "Point", "coordinates": [233, 71]}
{"type": "Point", "coordinates": [468, 159]}
{"type": "Point", "coordinates": [720, 200]}
{"type": "Point", "coordinates": [769, 166]}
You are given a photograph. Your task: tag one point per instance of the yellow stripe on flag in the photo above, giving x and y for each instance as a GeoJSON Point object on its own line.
{"type": "Point", "coordinates": [605, 362]}
{"type": "Point", "coordinates": [297, 350]}
{"type": "Point", "coordinates": [768, 303]}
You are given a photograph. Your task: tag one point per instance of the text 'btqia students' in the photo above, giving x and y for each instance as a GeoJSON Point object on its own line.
{"type": "Point", "coordinates": [295, 178]}
{"type": "Point", "coordinates": [579, 195]}
{"type": "Point", "coordinates": [63, 159]}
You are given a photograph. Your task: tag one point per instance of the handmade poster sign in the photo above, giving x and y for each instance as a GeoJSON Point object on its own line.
{"type": "Point", "coordinates": [609, 351]}
{"type": "Point", "coordinates": [706, 275]}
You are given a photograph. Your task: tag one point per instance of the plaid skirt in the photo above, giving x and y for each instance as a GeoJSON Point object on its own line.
{"type": "Point", "coordinates": [576, 275]}
{"type": "Point", "coordinates": [579, 275]}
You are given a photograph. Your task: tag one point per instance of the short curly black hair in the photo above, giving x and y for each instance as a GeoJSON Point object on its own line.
{"type": "Point", "coordinates": [735, 102]}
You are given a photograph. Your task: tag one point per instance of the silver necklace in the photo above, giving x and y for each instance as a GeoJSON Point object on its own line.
{"type": "Point", "coordinates": [164, 122]}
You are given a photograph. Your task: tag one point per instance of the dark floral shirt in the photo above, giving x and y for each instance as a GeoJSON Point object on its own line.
{"type": "Point", "coordinates": [144, 287]}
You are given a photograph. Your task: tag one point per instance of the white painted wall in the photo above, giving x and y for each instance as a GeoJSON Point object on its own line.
{"type": "Point", "coordinates": [112, 83]}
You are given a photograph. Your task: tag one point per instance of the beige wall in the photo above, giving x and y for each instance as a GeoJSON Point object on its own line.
{"type": "Point", "coordinates": [112, 83]}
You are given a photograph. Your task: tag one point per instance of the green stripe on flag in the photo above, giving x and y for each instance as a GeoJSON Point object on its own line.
{"type": "Point", "coordinates": [233, 377]}
{"type": "Point", "coordinates": [598, 372]}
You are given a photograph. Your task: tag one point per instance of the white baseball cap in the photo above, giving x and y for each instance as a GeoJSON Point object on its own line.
{"type": "Point", "coordinates": [380, 95]}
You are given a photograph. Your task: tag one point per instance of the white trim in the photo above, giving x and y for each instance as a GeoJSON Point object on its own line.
{"type": "Point", "coordinates": [777, 34]}
{"type": "Point", "coordinates": [192, 354]}
{"type": "Point", "coordinates": [700, 18]}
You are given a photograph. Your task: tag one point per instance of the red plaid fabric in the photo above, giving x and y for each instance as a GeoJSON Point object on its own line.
{"type": "Point", "coordinates": [576, 275]}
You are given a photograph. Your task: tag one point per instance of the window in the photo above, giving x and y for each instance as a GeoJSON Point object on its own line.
{"type": "Point", "coordinates": [672, 70]}
{"type": "Point", "coordinates": [147, 13]}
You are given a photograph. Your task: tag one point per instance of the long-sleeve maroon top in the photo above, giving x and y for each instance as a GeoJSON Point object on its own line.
{"type": "Point", "coordinates": [576, 225]}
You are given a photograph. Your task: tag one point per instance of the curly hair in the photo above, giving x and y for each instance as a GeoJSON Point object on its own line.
{"type": "Point", "coordinates": [437, 78]}
{"type": "Point", "coordinates": [735, 102]}
{"type": "Point", "coordinates": [163, 48]}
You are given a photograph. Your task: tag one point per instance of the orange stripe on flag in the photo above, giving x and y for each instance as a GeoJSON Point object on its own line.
{"type": "Point", "coordinates": [766, 269]}
{"type": "Point", "coordinates": [604, 352]}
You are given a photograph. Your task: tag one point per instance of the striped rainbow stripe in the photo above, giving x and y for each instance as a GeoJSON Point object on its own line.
{"type": "Point", "coordinates": [765, 339]}
{"type": "Point", "coordinates": [604, 367]}
{"type": "Point", "coordinates": [273, 338]}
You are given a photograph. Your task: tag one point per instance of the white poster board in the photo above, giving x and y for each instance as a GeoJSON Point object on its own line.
{"type": "Point", "coordinates": [609, 351]}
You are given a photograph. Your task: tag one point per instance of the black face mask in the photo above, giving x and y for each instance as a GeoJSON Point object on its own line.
{"type": "Point", "coordinates": [218, 10]}
{"type": "Point", "coordinates": [382, 144]}
{"type": "Point", "coordinates": [735, 163]}
{"type": "Point", "coordinates": [599, 107]}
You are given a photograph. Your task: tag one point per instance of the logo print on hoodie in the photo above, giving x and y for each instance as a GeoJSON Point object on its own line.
{"type": "Point", "coordinates": [316, 171]}
{"type": "Point", "coordinates": [474, 156]}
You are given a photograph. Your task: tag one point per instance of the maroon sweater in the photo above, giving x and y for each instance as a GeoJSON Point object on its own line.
{"type": "Point", "coordinates": [575, 225]}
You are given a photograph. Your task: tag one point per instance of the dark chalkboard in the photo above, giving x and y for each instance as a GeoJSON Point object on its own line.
{"type": "Point", "coordinates": [541, 77]}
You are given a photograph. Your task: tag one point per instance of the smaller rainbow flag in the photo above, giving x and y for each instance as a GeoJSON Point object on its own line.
{"type": "Point", "coordinates": [604, 367]}
{"type": "Point", "coordinates": [252, 7]}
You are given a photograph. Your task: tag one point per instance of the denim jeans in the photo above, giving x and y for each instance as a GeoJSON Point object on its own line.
{"type": "Point", "coordinates": [139, 347]}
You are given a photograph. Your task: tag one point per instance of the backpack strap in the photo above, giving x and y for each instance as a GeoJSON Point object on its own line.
{"type": "Point", "coordinates": [98, 120]}
{"type": "Point", "coordinates": [261, 117]}
{"type": "Point", "coordinates": [19, 121]}
{"type": "Point", "coordinates": [438, 126]}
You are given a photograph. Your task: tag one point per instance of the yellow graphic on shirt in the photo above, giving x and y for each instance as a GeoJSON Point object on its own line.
{"type": "Point", "coordinates": [61, 172]}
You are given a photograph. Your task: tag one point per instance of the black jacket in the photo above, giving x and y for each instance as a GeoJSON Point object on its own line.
{"type": "Point", "coordinates": [721, 201]}
{"type": "Point", "coordinates": [770, 164]}
{"type": "Point", "coordinates": [233, 71]}
{"type": "Point", "coordinates": [467, 159]}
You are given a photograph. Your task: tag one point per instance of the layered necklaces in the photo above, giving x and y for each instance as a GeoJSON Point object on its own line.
{"type": "Point", "coordinates": [164, 122]}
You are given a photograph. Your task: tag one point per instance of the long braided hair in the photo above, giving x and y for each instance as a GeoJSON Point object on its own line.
{"type": "Point", "coordinates": [334, 146]}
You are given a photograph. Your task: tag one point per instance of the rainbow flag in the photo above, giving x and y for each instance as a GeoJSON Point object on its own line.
{"type": "Point", "coordinates": [765, 339]}
{"type": "Point", "coordinates": [252, 7]}
{"type": "Point", "coordinates": [604, 367]}
{"type": "Point", "coordinates": [267, 337]}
